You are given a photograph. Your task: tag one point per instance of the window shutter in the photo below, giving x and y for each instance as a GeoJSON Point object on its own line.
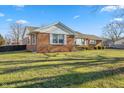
{"type": "Point", "coordinates": [65, 39]}
{"type": "Point", "coordinates": [51, 39]}
{"type": "Point", "coordinates": [85, 42]}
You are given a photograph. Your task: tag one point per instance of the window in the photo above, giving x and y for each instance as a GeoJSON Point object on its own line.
{"type": "Point", "coordinates": [79, 41]}
{"type": "Point", "coordinates": [33, 39]}
{"type": "Point", "coordinates": [92, 41]}
{"type": "Point", "coordinates": [57, 38]}
{"type": "Point", "coordinates": [61, 39]}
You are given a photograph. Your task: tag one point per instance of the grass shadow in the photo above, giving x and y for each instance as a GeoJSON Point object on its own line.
{"type": "Point", "coordinates": [98, 61]}
{"type": "Point", "coordinates": [68, 80]}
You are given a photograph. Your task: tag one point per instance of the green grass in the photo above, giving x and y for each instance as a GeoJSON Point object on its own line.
{"type": "Point", "coordinates": [89, 68]}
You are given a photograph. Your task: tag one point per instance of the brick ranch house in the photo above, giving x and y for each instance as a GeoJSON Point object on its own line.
{"type": "Point", "coordinates": [56, 38]}
{"type": "Point", "coordinates": [52, 38]}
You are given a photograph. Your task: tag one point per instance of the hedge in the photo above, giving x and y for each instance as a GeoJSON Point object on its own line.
{"type": "Point", "coordinates": [12, 48]}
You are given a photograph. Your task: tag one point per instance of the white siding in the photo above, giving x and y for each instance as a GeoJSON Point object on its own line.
{"type": "Point", "coordinates": [53, 29]}
{"type": "Point", "coordinates": [58, 31]}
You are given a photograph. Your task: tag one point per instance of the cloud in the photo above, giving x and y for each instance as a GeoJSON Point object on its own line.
{"type": "Point", "coordinates": [117, 19]}
{"type": "Point", "coordinates": [77, 16]}
{"type": "Point", "coordinates": [9, 19]}
{"type": "Point", "coordinates": [20, 6]}
{"type": "Point", "coordinates": [112, 8]}
{"type": "Point", "coordinates": [1, 15]}
{"type": "Point", "coordinates": [108, 8]}
{"type": "Point", "coordinates": [21, 21]}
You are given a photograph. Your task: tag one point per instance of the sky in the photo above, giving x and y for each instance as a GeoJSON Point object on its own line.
{"type": "Point", "coordinates": [79, 18]}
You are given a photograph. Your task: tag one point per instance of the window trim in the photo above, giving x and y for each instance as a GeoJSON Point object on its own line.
{"type": "Point", "coordinates": [51, 39]}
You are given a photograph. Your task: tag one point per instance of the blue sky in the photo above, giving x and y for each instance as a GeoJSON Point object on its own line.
{"type": "Point", "coordinates": [79, 18]}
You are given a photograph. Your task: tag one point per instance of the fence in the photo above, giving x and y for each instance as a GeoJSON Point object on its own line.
{"type": "Point", "coordinates": [12, 48]}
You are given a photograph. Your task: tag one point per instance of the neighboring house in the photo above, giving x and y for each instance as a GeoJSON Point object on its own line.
{"type": "Point", "coordinates": [87, 40]}
{"type": "Point", "coordinates": [119, 44]}
{"type": "Point", "coordinates": [108, 43]}
{"type": "Point", "coordinates": [52, 38]}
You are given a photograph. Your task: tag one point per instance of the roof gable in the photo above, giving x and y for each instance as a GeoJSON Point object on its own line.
{"type": "Point", "coordinates": [58, 31]}
{"type": "Point", "coordinates": [55, 28]}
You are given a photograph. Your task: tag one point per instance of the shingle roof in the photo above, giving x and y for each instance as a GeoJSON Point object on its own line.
{"type": "Point", "coordinates": [31, 28]}
{"type": "Point", "coordinates": [80, 35]}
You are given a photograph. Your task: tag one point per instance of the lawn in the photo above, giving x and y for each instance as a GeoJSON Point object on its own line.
{"type": "Point", "coordinates": [88, 68]}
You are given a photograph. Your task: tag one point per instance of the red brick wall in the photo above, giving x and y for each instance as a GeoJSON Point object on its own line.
{"type": "Point", "coordinates": [31, 48]}
{"type": "Point", "coordinates": [43, 44]}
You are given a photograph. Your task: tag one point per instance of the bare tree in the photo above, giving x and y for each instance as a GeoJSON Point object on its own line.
{"type": "Point", "coordinates": [17, 32]}
{"type": "Point", "coordinates": [7, 39]}
{"type": "Point", "coordinates": [2, 41]}
{"type": "Point", "coordinates": [114, 30]}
